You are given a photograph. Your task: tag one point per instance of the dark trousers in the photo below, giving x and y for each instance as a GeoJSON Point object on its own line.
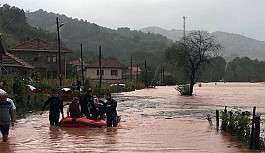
{"type": "Point", "coordinates": [112, 121]}
{"type": "Point", "coordinates": [4, 129]}
{"type": "Point", "coordinates": [54, 118]}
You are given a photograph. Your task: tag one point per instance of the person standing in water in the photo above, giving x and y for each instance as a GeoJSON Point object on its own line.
{"type": "Point", "coordinates": [7, 116]}
{"type": "Point", "coordinates": [111, 111]}
{"type": "Point", "coordinates": [86, 102]}
{"type": "Point", "coordinates": [56, 106]}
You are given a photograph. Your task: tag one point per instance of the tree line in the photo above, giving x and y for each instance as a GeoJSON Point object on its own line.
{"type": "Point", "coordinates": [14, 27]}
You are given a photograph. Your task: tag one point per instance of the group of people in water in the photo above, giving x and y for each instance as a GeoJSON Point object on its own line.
{"type": "Point", "coordinates": [87, 105]}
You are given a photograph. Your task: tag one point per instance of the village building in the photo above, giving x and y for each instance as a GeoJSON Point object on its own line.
{"type": "Point", "coordinates": [11, 64]}
{"type": "Point", "coordinates": [111, 70]}
{"type": "Point", "coordinates": [133, 72]}
{"type": "Point", "coordinates": [43, 56]}
{"type": "Point", "coordinates": [76, 68]}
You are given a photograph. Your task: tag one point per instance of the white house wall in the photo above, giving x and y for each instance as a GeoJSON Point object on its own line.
{"type": "Point", "coordinates": [92, 74]}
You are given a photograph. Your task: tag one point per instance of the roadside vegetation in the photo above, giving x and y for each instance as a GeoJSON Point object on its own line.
{"type": "Point", "coordinates": [28, 100]}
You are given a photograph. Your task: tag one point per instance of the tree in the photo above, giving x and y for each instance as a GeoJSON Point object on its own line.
{"type": "Point", "coordinates": [191, 52]}
{"type": "Point", "coordinates": [213, 70]}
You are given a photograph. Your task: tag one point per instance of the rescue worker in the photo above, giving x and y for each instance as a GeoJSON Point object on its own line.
{"type": "Point", "coordinates": [56, 107]}
{"type": "Point", "coordinates": [85, 103]}
{"type": "Point", "coordinates": [111, 111]}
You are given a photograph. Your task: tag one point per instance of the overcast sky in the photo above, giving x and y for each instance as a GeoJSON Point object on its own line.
{"type": "Point", "coordinates": [245, 17]}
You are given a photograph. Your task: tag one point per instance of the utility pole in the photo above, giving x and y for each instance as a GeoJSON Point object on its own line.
{"type": "Point", "coordinates": [2, 52]}
{"type": "Point", "coordinates": [59, 48]}
{"type": "Point", "coordinates": [82, 64]}
{"type": "Point", "coordinates": [184, 24]}
{"type": "Point", "coordinates": [161, 75]}
{"type": "Point", "coordinates": [131, 67]}
{"type": "Point", "coordinates": [145, 74]}
{"type": "Point", "coordinates": [137, 71]}
{"type": "Point", "coordinates": [100, 68]}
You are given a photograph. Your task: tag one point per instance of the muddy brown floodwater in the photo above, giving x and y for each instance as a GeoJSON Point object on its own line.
{"type": "Point", "coordinates": [154, 120]}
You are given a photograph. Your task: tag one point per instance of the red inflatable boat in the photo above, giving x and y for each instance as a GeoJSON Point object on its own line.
{"type": "Point", "coordinates": [81, 122]}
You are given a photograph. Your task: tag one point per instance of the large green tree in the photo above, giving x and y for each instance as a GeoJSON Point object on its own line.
{"type": "Point", "coordinates": [191, 52]}
{"type": "Point", "coordinates": [244, 69]}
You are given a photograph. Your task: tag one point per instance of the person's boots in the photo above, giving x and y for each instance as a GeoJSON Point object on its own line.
{"type": "Point", "coordinates": [5, 137]}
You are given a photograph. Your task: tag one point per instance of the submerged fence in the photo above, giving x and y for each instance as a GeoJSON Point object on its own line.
{"type": "Point", "coordinates": [244, 126]}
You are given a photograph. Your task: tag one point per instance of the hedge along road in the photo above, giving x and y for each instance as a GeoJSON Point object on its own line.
{"type": "Point", "coordinates": [153, 120]}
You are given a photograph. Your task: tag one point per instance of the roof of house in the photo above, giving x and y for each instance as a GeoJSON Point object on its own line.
{"type": "Point", "coordinates": [77, 62]}
{"type": "Point", "coordinates": [106, 63]}
{"type": "Point", "coordinates": [39, 45]}
{"type": "Point", "coordinates": [13, 61]}
{"type": "Point", "coordinates": [134, 69]}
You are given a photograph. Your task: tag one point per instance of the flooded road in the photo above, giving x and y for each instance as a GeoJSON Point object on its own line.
{"type": "Point", "coordinates": [154, 120]}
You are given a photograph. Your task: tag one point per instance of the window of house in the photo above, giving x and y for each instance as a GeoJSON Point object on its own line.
{"type": "Point", "coordinates": [49, 59]}
{"type": "Point", "coordinates": [102, 72]}
{"type": "Point", "coordinates": [54, 59]}
{"type": "Point", "coordinates": [114, 72]}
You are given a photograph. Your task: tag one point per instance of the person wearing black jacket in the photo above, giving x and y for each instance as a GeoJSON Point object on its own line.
{"type": "Point", "coordinates": [86, 102]}
{"type": "Point", "coordinates": [111, 111]}
{"type": "Point", "coordinates": [56, 106]}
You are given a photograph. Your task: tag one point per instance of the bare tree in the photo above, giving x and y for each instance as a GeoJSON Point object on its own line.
{"type": "Point", "coordinates": [193, 50]}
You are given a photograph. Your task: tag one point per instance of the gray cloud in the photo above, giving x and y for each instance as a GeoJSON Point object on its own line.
{"type": "Point", "coordinates": [235, 16]}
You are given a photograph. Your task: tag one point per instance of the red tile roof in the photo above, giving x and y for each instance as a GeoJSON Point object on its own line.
{"type": "Point", "coordinates": [106, 63]}
{"type": "Point", "coordinates": [134, 69]}
{"type": "Point", "coordinates": [39, 45]}
{"type": "Point", "coordinates": [13, 61]}
{"type": "Point", "coordinates": [77, 62]}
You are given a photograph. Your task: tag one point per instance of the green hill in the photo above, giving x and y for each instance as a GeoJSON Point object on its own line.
{"type": "Point", "coordinates": [15, 29]}
{"type": "Point", "coordinates": [121, 43]}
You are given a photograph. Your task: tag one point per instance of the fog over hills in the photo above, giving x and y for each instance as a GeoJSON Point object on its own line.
{"type": "Point", "coordinates": [234, 44]}
{"type": "Point", "coordinates": [124, 42]}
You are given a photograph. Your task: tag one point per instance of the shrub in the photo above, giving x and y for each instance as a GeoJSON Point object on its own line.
{"type": "Point", "coordinates": [183, 89]}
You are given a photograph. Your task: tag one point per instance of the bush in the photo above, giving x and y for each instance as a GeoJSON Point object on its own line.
{"type": "Point", "coordinates": [183, 89]}
{"type": "Point", "coordinates": [237, 123]}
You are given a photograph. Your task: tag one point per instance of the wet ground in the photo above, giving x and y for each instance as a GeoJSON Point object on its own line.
{"type": "Point", "coordinates": [154, 120]}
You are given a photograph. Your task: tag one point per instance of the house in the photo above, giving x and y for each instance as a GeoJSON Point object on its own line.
{"type": "Point", "coordinates": [111, 70]}
{"type": "Point", "coordinates": [134, 71]}
{"type": "Point", "coordinates": [42, 55]}
{"type": "Point", "coordinates": [11, 64]}
{"type": "Point", "coordinates": [76, 66]}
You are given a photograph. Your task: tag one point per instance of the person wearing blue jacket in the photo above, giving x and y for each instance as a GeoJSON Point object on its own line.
{"type": "Point", "coordinates": [7, 116]}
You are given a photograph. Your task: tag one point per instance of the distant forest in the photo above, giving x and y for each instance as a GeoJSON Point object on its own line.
{"type": "Point", "coordinates": [17, 26]}
{"type": "Point", "coordinates": [121, 43]}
